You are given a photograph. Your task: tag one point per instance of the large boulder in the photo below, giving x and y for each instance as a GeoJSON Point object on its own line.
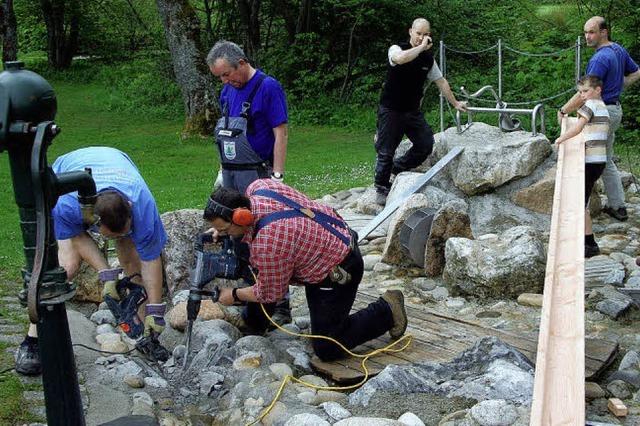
{"type": "Point", "coordinates": [88, 286]}
{"type": "Point", "coordinates": [490, 369]}
{"type": "Point", "coordinates": [451, 220]}
{"type": "Point", "coordinates": [182, 227]}
{"type": "Point", "coordinates": [496, 266]}
{"type": "Point", "coordinates": [491, 157]}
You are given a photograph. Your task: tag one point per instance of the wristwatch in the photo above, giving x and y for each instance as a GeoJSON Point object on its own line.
{"type": "Point", "coordinates": [234, 293]}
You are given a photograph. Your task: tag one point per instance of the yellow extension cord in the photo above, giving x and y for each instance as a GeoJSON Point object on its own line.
{"type": "Point", "coordinates": [365, 357]}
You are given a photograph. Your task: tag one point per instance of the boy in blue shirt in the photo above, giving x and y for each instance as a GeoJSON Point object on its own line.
{"type": "Point", "coordinates": [127, 214]}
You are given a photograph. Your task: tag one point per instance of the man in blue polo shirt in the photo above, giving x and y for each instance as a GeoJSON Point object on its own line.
{"type": "Point", "coordinates": [126, 212]}
{"type": "Point", "coordinates": [613, 65]}
{"type": "Point", "coordinates": [252, 132]}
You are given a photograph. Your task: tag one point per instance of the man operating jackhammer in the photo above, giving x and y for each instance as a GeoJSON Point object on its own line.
{"type": "Point", "coordinates": [125, 212]}
{"type": "Point", "coordinates": [296, 241]}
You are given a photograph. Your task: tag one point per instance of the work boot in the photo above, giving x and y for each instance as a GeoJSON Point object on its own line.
{"type": "Point", "coordinates": [619, 214]}
{"type": "Point", "coordinates": [395, 299]}
{"type": "Point", "coordinates": [28, 357]}
{"type": "Point", "coordinates": [381, 195]}
{"type": "Point", "coordinates": [591, 250]}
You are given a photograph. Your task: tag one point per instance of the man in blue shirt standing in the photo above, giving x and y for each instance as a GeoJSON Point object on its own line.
{"type": "Point", "coordinates": [252, 132]}
{"type": "Point", "coordinates": [126, 212]}
{"type": "Point", "coordinates": [613, 65]}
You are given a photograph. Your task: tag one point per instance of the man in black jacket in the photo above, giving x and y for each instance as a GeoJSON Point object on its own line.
{"type": "Point", "coordinates": [410, 65]}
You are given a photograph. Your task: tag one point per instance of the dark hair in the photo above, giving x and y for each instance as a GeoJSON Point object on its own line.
{"type": "Point", "coordinates": [113, 210]}
{"type": "Point", "coordinates": [590, 80]}
{"type": "Point", "coordinates": [229, 198]}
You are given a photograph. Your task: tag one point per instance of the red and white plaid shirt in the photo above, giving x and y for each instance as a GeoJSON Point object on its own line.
{"type": "Point", "coordinates": [293, 251]}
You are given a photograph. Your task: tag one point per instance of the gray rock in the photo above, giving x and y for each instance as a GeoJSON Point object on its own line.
{"type": "Point", "coordinates": [306, 419]}
{"type": "Point", "coordinates": [256, 345]}
{"type": "Point", "coordinates": [208, 380]}
{"type": "Point", "coordinates": [494, 413]}
{"type": "Point", "coordinates": [370, 261]}
{"type": "Point", "coordinates": [180, 296]}
{"type": "Point", "coordinates": [505, 266]}
{"type": "Point", "coordinates": [367, 421]}
{"type": "Point", "coordinates": [491, 157]}
{"type": "Point", "coordinates": [495, 213]}
{"type": "Point", "coordinates": [103, 317]}
{"type": "Point", "coordinates": [451, 220]}
{"type": "Point", "coordinates": [609, 301]}
{"type": "Point", "coordinates": [155, 382]}
{"type": "Point", "coordinates": [182, 226]}
{"type": "Point", "coordinates": [630, 361]}
{"type": "Point", "coordinates": [335, 411]}
{"type": "Point", "coordinates": [142, 404]}
{"type": "Point", "coordinates": [631, 377]}
{"type": "Point", "coordinates": [410, 419]}
{"type": "Point", "coordinates": [105, 329]}
{"type": "Point", "coordinates": [488, 370]}
{"type": "Point", "coordinates": [424, 284]}
{"type": "Point", "coordinates": [619, 389]}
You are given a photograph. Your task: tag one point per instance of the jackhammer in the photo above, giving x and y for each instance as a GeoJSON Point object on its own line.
{"type": "Point", "coordinates": [207, 266]}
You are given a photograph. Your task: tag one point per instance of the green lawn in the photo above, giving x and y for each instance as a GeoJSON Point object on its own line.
{"type": "Point", "coordinates": [180, 171]}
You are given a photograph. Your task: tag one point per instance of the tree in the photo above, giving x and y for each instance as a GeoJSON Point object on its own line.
{"type": "Point", "coordinates": [182, 31]}
{"type": "Point", "coordinates": [249, 11]}
{"type": "Point", "coordinates": [62, 19]}
{"type": "Point", "coordinates": [8, 31]}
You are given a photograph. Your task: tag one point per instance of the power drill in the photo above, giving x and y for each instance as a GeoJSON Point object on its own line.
{"type": "Point", "coordinates": [125, 311]}
{"type": "Point", "coordinates": [207, 266]}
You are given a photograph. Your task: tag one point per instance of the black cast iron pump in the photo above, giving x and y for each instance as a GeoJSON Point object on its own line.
{"type": "Point", "coordinates": [27, 107]}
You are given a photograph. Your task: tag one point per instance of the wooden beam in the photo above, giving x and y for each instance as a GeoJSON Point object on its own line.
{"type": "Point", "coordinates": [558, 396]}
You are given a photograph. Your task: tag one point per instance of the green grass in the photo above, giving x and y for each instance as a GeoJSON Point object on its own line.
{"type": "Point", "coordinates": [179, 170]}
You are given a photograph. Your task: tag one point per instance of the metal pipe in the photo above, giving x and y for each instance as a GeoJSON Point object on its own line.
{"type": "Point", "coordinates": [511, 110]}
{"type": "Point", "coordinates": [442, 97]}
{"type": "Point", "coordinates": [481, 91]}
{"type": "Point", "coordinates": [579, 61]}
{"type": "Point", "coordinates": [499, 68]}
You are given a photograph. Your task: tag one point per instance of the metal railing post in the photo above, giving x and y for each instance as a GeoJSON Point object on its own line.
{"type": "Point", "coordinates": [578, 58]}
{"type": "Point", "coordinates": [500, 68]}
{"type": "Point", "coordinates": [444, 72]}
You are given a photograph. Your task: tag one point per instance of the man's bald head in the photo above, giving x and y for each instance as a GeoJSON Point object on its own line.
{"type": "Point", "coordinates": [419, 22]}
{"type": "Point", "coordinates": [596, 31]}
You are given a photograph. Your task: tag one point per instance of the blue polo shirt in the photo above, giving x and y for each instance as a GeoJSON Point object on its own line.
{"type": "Point", "coordinates": [111, 170]}
{"type": "Point", "coordinates": [611, 63]}
{"type": "Point", "coordinates": [268, 110]}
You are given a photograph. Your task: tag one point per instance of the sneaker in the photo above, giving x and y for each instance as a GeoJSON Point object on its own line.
{"type": "Point", "coordinates": [620, 213]}
{"type": "Point", "coordinates": [28, 358]}
{"type": "Point", "coordinates": [591, 250]}
{"type": "Point", "coordinates": [395, 299]}
{"type": "Point", "coordinates": [281, 315]}
{"type": "Point", "coordinates": [381, 198]}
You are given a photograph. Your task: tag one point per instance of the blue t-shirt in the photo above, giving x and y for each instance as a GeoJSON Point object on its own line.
{"type": "Point", "coordinates": [611, 63]}
{"type": "Point", "coordinates": [268, 110]}
{"type": "Point", "coordinates": [111, 170]}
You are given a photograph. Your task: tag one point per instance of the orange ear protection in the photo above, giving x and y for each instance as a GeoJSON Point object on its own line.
{"type": "Point", "coordinates": [241, 216]}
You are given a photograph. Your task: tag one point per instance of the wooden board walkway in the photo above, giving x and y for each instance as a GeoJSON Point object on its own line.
{"type": "Point", "coordinates": [440, 338]}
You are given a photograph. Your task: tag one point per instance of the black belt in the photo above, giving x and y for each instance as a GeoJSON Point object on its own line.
{"type": "Point", "coordinates": [616, 102]}
{"type": "Point", "coordinates": [252, 166]}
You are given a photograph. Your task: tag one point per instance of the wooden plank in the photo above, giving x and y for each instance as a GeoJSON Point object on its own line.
{"type": "Point", "coordinates": [558, 396]}
{"type": "Point", "coordinates": [439, 338]}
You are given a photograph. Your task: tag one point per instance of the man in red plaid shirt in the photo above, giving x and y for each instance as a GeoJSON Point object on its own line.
{"type": "Point", "coordinates": [296, 241]}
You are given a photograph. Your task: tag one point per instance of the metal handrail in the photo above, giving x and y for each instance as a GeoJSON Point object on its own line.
{"type": "Point", "coordinates": [537, 111]}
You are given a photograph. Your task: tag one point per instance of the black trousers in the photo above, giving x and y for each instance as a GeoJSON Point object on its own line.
{"type": "Point", "coordinates": [329, 309]}
{"type": "Point", "coordinates": [392, 125]}
{"type": "Point", "coordinates": [592, 172]}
